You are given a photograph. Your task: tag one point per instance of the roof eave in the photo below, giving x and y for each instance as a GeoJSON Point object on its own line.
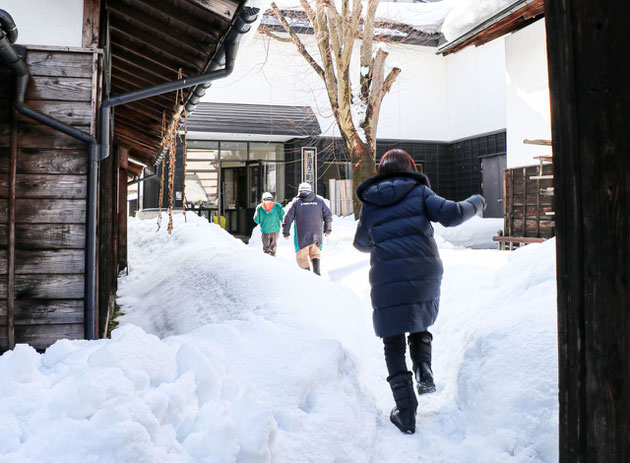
{"type": "Point", "coordinates": [468, 38]}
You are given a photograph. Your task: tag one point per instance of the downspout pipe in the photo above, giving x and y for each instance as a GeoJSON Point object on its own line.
{"type": "Point", "coordinates": [14, 61]}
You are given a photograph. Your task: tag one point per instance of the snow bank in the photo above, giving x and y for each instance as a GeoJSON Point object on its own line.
{"type": "Point", "coordinates": [475, 233]}
{"type": "Point", "coordinates": [241, 357]}
{"type": "Point", "coordinates": [133, 398]}
{"type": "Point", "coordinates": [496, 357]}
{"type": "Point", "coordinates": [466, 14]}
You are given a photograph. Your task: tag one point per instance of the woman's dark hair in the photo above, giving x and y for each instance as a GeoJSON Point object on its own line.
{"type": "Point", "coordinates": [396, 160]}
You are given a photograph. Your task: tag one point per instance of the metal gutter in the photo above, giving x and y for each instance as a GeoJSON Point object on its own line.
{"type": "Point", "coordinates": [519, 4]}
{"type": "Point", "coordinates": [140, 180]}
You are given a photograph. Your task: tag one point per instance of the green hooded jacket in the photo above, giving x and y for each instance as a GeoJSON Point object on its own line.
{"type": "Point", "coordinates": [269, 221]}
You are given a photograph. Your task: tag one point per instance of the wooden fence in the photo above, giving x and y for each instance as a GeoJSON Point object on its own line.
{"type": "Point", "coordinates": [528, 199]}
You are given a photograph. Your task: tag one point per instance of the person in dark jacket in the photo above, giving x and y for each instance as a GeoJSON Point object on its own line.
{"type": "Point", "coordinates": [312, 219]}
{"type": "Point", "coordinates": [269, 216]}
{"type": "Point", "coordinates": [406, 270]}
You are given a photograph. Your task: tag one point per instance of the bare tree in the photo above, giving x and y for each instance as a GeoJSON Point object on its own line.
{"type": "Point", "coordinates": [336, 33]}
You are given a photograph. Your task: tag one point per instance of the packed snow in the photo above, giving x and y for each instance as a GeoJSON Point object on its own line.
{"type": "Point", "coordinates": [466, 14]}
{"type": "Point", "coordinates": [229, 355]}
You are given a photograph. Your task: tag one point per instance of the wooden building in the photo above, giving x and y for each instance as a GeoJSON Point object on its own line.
{"type": "Point", "coordinates": [73, 137]}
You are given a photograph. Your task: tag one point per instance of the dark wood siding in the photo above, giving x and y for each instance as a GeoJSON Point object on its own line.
{"type": "Point", "coordinates": [529, 202]}
{"type": "Point", "coordinates": [50, 190]}
{"type": "Point", "coordinates": [588, 80]}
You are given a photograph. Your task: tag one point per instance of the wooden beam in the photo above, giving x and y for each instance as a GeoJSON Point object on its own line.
{"type": "Point", "coordinates": [157, 67]}
{"type": "Point", "coordinates": [222, 8]}
{"type": "Point", "coordinates": [156, 47]}
{"type": "Point", "coordinates": [588, 85]}
{"type": "Point", "coordinates": [122, 79]}
{"type": "Point", "coordinates": [134, 169]}
{"type": "Point", "coordinates": [135, 66]}
{"type": "Point", "coordinates": [537, 142]}
{"type": "Point", "coordinates": [138, 19]}
{"type": "Point", "coordinates": [187, 20]}
{"type": "Point", "coordinates": [91, 23]}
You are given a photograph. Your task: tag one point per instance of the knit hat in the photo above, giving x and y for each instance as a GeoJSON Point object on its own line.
{"type": "Point", "coordinates": [267, 196]}
{"type": "Point", "coordinates": [304, 186]}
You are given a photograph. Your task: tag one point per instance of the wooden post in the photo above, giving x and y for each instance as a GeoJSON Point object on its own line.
{"type": "Point", "coordinates": [122, 209]}
{"type": "Point", "coordinates": [538, 203]}
{"type": "Point", "coordinates": [91, 23]}
{"type": "Point", "coordinates": [331, 196]}
{"type": "Point", "coordinates": [11, 226]}
{"type": "Point", "coordinates": [524, 201]}
{"type": "Point", "coordinates": [588, 75]}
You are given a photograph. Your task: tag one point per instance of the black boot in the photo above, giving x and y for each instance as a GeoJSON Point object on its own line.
{"type": "Point", "coordinates": [404, 413]}
{"type": "Point", "coordinates": [420, 352]}
{"type": "Point", "coordinates": [316, 266]}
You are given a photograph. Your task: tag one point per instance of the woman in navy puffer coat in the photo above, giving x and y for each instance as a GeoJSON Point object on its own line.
{"type": "Point", "coordinates": [406, 270]}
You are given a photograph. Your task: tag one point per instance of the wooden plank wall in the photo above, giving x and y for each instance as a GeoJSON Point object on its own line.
{"type": "Point", "coordinates": [529, 198]}
{"type": "Point", "coordinates": [50, 200]}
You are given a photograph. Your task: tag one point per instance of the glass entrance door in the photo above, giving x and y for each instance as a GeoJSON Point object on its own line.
{"type": "Point", "coordinates": [240, 193]}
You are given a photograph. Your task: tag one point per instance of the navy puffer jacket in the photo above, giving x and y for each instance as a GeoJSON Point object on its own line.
{"type": "Point", "coordinates": [395, 228]}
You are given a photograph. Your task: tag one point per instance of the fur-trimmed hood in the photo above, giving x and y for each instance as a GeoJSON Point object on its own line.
{"type": "Point", "coordinates": [387, 189]}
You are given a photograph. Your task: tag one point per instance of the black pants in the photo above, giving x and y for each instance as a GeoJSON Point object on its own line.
{"type": "Point", "coordinates": [395, 348]}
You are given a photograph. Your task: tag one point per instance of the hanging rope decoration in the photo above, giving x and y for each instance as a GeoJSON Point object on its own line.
{"type": "Point", "coordinates": [170, 136]}
{"type": "Point", "coordinates": [159, 218]}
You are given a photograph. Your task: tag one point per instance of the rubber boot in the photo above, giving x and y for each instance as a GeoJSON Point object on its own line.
{"type": "Point", "coordinates": [315, 263]}
{"type": "Point", "coordinates": [403, 415]}
{"type": "Point", "coordinates": [420, 352]}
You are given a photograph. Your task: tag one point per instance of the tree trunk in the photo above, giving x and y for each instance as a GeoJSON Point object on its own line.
{"type": "Point", "coordinates": [363, 167]}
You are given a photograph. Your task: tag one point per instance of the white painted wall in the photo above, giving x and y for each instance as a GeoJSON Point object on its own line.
{"type": "Point", "coordinates": [271, 72]}
{"type": "Point", "coordinates": [476, 90]}
{"type": "Point", "coordinates": [47, 22]}
{"type": "Point", "coordinates": [528, 109]}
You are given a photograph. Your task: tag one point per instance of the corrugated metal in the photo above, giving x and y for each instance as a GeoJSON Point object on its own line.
{"type": "Point", "coordinates": [297, 121]}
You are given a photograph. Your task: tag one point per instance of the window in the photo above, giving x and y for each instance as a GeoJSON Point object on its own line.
{"type": "Point", "coordinates": [234, 150]}
{"type": "Point", "coordinates": [273, 169]}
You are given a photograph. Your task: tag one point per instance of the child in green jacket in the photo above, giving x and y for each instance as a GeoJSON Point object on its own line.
{"type": "Point", "coordinates": [269, 216]}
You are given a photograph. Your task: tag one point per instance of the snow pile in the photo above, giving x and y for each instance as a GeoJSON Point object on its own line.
{"type": "Point", "coordinates": [131, 398]}
{"type": "Point", "coordinates": [475, 233]}
{"type": "Point", "coordinates": [466, 14]}
{"type": "Point", "coordinates": [496, 354]}
{"type": "Point", "coordinates": [259, 361]}
{"type": "Point", "coordinates": [425, 17]}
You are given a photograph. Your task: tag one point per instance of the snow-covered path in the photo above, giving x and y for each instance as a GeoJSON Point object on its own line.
{"type": "Point", "coordinates": [229, 355]}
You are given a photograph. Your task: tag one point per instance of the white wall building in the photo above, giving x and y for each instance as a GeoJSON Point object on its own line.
{"type": "Point", "coordinates": [461, 112]}
{"type": "Point", "coordinates": [47, 22]}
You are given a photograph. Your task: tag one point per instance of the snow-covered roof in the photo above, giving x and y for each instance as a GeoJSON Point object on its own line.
{"type": "Point", "coordinates": [475, 22]}
{"type": "Point", "coordinates": [385, 28]}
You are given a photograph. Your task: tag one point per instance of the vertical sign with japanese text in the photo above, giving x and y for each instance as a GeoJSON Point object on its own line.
{"type": "Point", "coordinates": [309, 166]}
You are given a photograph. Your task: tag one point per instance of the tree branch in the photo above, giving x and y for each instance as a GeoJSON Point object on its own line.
{"type": "Point", "coordinates": [266, 31]}
{"type": "Point", "coordinates": [366, 48]}
{"type": "Point", "coordinates": [298, 43]}
{"type": "Point", "coordinates": [380, 86]}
